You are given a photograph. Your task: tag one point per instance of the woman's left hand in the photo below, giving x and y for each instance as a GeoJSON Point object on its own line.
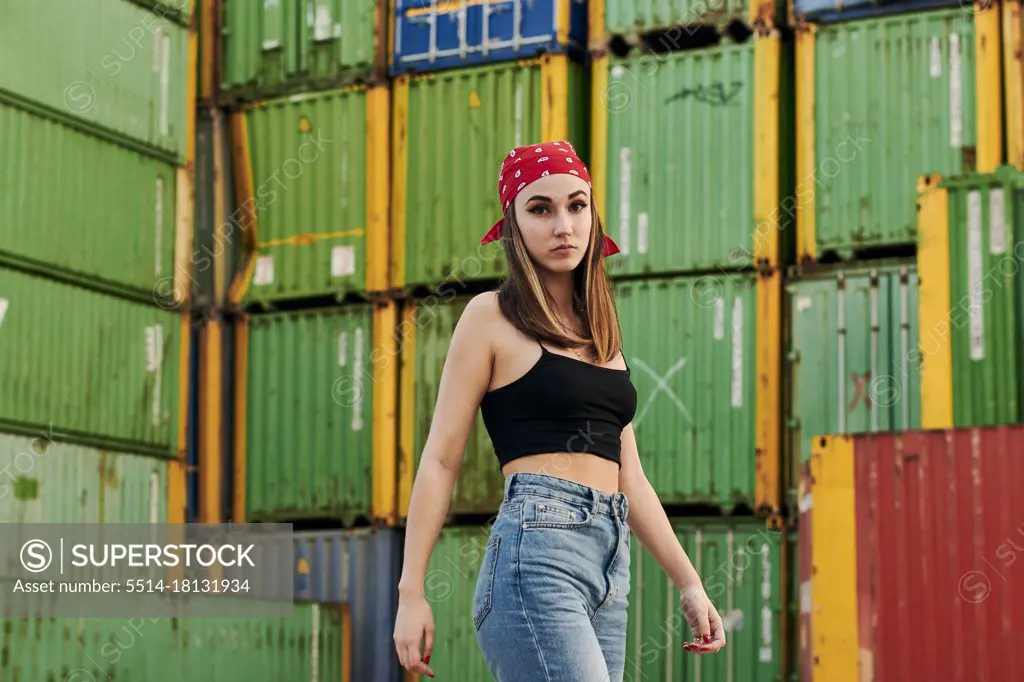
{"type": "Point", "coordinates": [704, 621]}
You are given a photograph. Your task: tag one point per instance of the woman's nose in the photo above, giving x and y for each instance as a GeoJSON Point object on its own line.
{"type": "Point", "coordinates": [563, 225]}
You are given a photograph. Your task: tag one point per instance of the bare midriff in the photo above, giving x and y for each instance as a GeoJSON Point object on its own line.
{"type": "Point", "coordinates": [589, 470]}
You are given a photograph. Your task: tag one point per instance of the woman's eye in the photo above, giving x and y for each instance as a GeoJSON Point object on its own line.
{"type": "Point", "coordinates": [578, 206]}
{"type": "Point", "coordinates": [537, 210]}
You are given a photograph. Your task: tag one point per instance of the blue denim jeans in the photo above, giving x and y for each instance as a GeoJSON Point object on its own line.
{"type": "Point", "coordinates": [550, 600]}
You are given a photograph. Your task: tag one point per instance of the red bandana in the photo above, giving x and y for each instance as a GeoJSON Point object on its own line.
{"type": "Point", "coordinates": [523, 165]}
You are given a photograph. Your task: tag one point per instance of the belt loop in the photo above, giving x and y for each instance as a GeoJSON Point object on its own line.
{"type": "Point", "coordinates": [508, 484]}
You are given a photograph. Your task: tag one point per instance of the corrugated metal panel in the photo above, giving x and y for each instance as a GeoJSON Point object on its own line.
{"type": "Point", "coordinates": [448, 587]}
{"type": "Point", "coordinates": [920, 580]}
{"type": "Point", "coordinates": [43, 481]}
{"type": "Point", "coordinates": [465, 121]}
{"type": "Point", "coordinates": [894, 98]}
{"type": "Point", "coordinates": [695, 381]}
{"type": "Point", "coordinates": [827, 11]}
{"type": "Point", "coordinates": [986, 223]}
{"type": "Point", "coordinates": [116, 65]}
{"type": "Point", "coordinates": [479, 487]}
{"type": "Point", "coordinates": [681, 198]}
{"type": "Point", "coordinates": [445, 35]}
{"type": "Point", "coordinates": [741, 566]}
{"type": "Point", "coordinates": [296, 45]}
{"type": "Point", "coordinates": [101, 368]}
{"type": "Point", "coordinates": [309, 173]}
{"type": "Point", "coordinates": [309, 415]}
{"type": "Point", "coordinates": [360, 568]}
{"type": "Point", "coordinates": [630, 17]}
{"type": "Point", "coordinates": [853, 335]}
{"type": "Point", "coordinates": [132, 201]}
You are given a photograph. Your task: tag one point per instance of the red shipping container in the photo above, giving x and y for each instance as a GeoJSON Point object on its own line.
{"type": "Point", "coordinates": [911, 557]}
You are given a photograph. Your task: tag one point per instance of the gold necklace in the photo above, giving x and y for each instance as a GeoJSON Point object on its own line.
{"type": "Point", "coordinates": [566, 329]}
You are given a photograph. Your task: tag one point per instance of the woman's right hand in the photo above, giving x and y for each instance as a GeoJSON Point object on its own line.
{"type": "Point", "coordinates": [414, 624]}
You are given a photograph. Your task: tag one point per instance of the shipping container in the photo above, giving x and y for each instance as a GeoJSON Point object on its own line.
{"type": "Point", "coordinates": [43, 480]}
{"type": "Point", "coordinates": [314, 643]}
{"type": "Point", "coordinates": [832, 11]}
{"type": "Point", "coordinates": [275, 48]}
{"type": "Point", "coordinates": [449, 586]}
{"type": "Point", "coordinates": [445, 34]}
{"type": "Point", "coordinates": [662, 23]}
{"type": "Point", "coordinates": [881, 102]}
{"type": "Point", "coordinates": [694, 348]}
{"type": "Point", "coordinates": [971, 293]}
{"type": "Point", "coordinates": [100, 369]}
{"type": "Point", "coordinates": [451, 131]}
{"type": "Point", "coordinates": [1013, 81]}
{"type": "Point", "coordinates": [313, 414]}
{"type": "Point", "coordinates": [425, 334]}
{"type": "Point", "coordinates": [116, 66]}
{"type": "Point", "coordinates": [703, 196]}
{"type": "Point", "coordinates": [908, 557]}
{"type": "Point", "coordinates": [217, 243]}
{"type": "Point", "coordinates": [742, 566]}
{"type": "Point", "coordinates": [853, 342]}
{"type": "Point", "coordinates": [113, 229]}
{"type": "Point", "coordinates": [359, 570]}
{"type": "Point", "coordinates": [314, 168]}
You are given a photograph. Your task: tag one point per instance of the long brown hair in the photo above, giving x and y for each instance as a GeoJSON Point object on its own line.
{"type": "Point", "coordinates": [525, 301]}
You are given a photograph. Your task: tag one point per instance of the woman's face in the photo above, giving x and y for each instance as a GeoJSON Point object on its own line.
{"type": "Point", "coordinates": [553, 214]}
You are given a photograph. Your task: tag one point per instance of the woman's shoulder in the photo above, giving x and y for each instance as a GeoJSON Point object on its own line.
{"type": "Point", "coordinates": [481, 315]}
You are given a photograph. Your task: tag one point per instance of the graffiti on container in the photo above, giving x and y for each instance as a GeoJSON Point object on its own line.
{"type": "Point", "coordinates": [716, 94]}
{"type": "Point", "coordinates": [661, 386]}
{"type": "Point", "coordinates": [860, 385]}
{"type": "Point", "coordinates": [16, 472]}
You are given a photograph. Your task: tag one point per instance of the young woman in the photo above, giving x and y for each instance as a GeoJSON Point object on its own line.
{"type": "Point", "coordinates": [541, 357]}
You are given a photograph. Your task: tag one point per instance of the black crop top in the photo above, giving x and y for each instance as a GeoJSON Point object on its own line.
{"type": "Point", "coordinates": [560, 405]}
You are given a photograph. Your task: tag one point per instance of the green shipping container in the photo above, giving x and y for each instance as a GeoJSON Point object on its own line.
{"type": "Point", "coordinates": [311, 170]}
{"type": "Point", "coordinates": [427, 331]}
{"type": "Point", "coordinates": [109, 63]}
{"type": "Point", "coordinates": [271, 48]}
{"type": "Point", "coordinates": [852, 368]}
{"type": "Point", "coordinates": [691, 344]}
{"type": "Point", "coordinates": [47, 481]}
{"type": "Point", "coordinates": [629, 18]}
{"type": "Point", "coordinates": [972, 314]}
{"type": "Point", "coordinates": [309, 431]}
{"type": "Point", "coordinates": [310, 645]}
{"type": "Point", "coordinates": [683, 198]}
{"type": "Point", "coordinates": [465, 121]}
{"type": "Point", "coordinates": [893, 98]}
{"type": "Point", "coordinates": [105, 214]}
{"type": "Point", "coordinates": [84, 364]}
{"type": "Point", "coordinates": [741, 565]}
{"type": "Point", "coordinates": [449, 587]}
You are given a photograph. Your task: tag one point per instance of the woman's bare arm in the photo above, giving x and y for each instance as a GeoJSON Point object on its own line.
{"type": "Point", "coordinates": [464, 380]}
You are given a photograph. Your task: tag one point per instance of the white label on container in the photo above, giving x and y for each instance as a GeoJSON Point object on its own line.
{"type": "Point", "coordinates": [625, 155]}
{"type": "Point", "coordinates": [805, 596]}
{"type": "Point", "coordinates": [264, 271]}
{"type": "Point", "coordinates": [314, 644]}
{"type": "Point", "coordinates": [803, 303]}
{"type": "Point", "coordinates": [805, 503]}
{"type": "Point", "coordinates": [357, 371]}
{"type": "Point", "coordinates": [270, 44]}
{"type": "Point", "coordinates": [154, 360]}
{"type": "Point", "coordinates": [3, 308]}
{"type": "Point", "coordinates": [975, 311]}
{"type": "Point", "coordinates": [732, 621]}
{"type": "Point", "coordinates": [936, 67]}
{"type": "Point", "coordinates": [996, 221]}
{"type": "Point", "coordinates": [158, 228]}
{"type": "Point", "coordinates": [641, 233]}
{"type": "Point", "coordinates": [956, 95]}
{"type": "Point", "coordinates": [719, 318]}
{"type": "Point", "coordinates": [342, 349]}
{"type": "Point", "coordinates": [737, 353]}
{"type": "Point", "coordinates": [518, 129]}
{"type": "Point", "coordinates": [766, 606]}
{"type": "Point", "coordinates": [343, 261]}
{"type": "Point", "coordinates": [154, 497]}
{"type": "Point", "coordinates": [163, 44]}
{"type": "Point", "coordinates": [324, 24]}
{"type": "Point", "coordinates": [617, 71]}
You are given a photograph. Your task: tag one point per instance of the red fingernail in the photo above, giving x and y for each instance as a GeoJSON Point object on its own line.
{"type": "Point", "coordinates": [427, 660]}
{"type": "Point", "coordinates": [707, 638]}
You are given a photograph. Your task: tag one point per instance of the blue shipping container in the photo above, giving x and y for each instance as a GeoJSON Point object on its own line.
{"type": "Point", "coordinates": [359, 568]}
{"type": "Point", "coordinates": [834, 11]}
{"type": "Point", "coordinates": [431, 35]}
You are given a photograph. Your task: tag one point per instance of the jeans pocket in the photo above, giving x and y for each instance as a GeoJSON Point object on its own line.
{"type": "Point", "coordinates": [485, 582]}
{"type": "Point", "coordinates": [542, 512]}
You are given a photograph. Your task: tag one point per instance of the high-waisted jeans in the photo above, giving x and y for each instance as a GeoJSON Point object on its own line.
{"type": "Point", "coordinates": [551, 597]}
